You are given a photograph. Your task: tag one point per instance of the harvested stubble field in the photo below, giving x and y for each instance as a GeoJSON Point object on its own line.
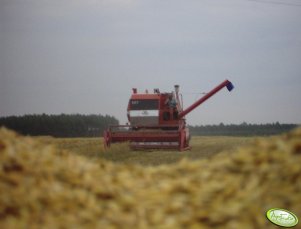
{"type": "Point", "coordinates": [68, 183]}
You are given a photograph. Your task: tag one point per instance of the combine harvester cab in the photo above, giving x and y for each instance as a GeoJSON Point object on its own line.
{"type": "Point", "coordinates": [157, 120]}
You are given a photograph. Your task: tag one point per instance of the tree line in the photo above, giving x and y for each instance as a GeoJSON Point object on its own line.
{"type": "Point", "coordinates": [63, 125]}
{"type": "Point", "coordinates": [77, 125]}
{"type": "Point", "coordinates": [243, 129]}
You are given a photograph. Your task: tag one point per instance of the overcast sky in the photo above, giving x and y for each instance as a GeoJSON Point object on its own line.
{"type": "Point", "coordinates": [84, 56]}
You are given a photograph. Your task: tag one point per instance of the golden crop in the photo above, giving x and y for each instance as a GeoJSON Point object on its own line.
{"type": "Point", "coordinates": [42, 186]}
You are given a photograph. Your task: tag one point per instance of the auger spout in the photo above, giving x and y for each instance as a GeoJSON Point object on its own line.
{"type": "Point", "coordinates": [226, 83]}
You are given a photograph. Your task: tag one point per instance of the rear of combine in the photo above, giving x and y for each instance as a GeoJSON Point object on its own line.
{"type": "Point", "coordinates": [157, 120]}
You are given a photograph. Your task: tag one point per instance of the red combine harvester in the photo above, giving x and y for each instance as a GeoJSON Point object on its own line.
{"type": "Point", "coordinates": [157, 120]}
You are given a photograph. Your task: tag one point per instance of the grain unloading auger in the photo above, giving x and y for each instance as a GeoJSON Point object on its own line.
{"type": "Point", "coordinates": [157, 120]}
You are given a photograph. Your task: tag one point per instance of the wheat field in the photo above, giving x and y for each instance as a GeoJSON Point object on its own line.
{"type": "Point", "coordinates": [70, 185]}
{"type": "Point", "coordinates": [202, 147]}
